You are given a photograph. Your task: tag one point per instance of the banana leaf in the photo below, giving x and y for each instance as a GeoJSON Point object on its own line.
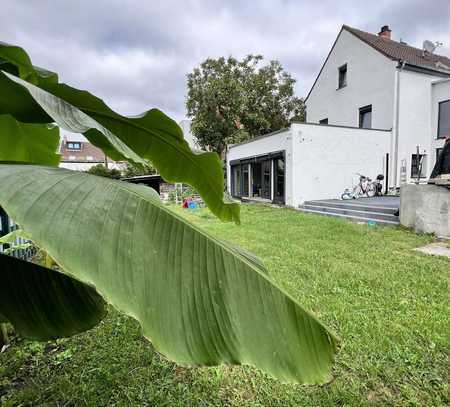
{"type": "Point", "coordinates": [153, 135]}
{"type": "Point", "coordinates": [44, 304]}
{"type": "Point", "coordinates": [199, 301]}
{"type": "Point", "coordinates": [28, 143]}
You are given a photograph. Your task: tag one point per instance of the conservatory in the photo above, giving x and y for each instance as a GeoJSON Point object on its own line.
{"type": "Point", "coordinates": [259, 177]}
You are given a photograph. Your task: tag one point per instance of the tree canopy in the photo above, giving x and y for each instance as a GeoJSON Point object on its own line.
{"type": "Point", "coordinates": [230, 100]}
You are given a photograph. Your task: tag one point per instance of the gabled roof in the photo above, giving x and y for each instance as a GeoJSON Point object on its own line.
{"type": "Point", "coordinates": [87, 153]}
{"type": "Point", "coordinates": [400, 51]}
{"type": "Point", "coordinates": [396, 51]}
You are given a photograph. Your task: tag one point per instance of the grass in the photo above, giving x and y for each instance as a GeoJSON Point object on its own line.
{"type": "Point", "coordinates": [389, 305]}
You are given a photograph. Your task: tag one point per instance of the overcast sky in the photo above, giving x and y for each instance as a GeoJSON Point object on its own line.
{"type": "Point", "coordinates": [136, 54]}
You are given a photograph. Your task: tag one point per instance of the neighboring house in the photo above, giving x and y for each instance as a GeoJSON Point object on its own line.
{"type": "Point", "coordinates": [78, 154]}
{"type": "Point", "coordinates": [373, 102]}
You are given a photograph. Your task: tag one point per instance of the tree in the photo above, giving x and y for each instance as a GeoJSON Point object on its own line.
{"type": "Point", "coordinates": [102, 171]}
{"type": "Point", "coordinates": [230, 100]}
{"type": "Point", "coordinates": [199, 299]}
{"type": "Point", "coordinates": [135, 171]}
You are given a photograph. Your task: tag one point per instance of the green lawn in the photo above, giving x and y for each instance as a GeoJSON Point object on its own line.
{"type": "Point", "coordinates": [389, 305]}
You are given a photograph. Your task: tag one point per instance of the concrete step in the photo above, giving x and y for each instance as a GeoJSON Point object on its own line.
{"type": "Point", "coordinates": [352, 211]}
{"type": "Point", "coordinates": [353, 218]}
{"type": "Point", "coordinates": [353, 205]}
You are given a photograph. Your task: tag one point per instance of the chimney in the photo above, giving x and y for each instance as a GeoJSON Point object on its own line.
{"type": "Point", "coordinates": [385, 32]}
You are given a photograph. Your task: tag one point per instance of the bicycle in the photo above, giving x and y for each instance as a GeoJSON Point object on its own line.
{"type": "Point", "coordinates": [365, 188]}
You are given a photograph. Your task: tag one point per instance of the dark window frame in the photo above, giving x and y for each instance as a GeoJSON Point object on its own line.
{"type": "Point", "coordinates": [324, 121]}
{"type": "Point", "coordinates": [423, 173]}
{"type": "Point", "coordinates": [362, 111]}
{"type": "Point", "coordinates": [342, 76]}
{"type": "Point", "coordinates": [73, 145]}
{"type": "Point", "coordinates": [438, 136]}
{"type": "Point", "coordinates": [269, 158]}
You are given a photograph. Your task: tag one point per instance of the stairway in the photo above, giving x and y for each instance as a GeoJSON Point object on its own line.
{"type": "Point", "coordinates": [354, 210]}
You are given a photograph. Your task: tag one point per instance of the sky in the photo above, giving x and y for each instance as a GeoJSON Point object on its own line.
{"type": "Point", "coordinates": [135, 55]}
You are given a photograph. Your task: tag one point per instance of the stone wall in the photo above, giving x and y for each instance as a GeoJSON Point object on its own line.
{"type": "Point", "coordinates": [426, 209]}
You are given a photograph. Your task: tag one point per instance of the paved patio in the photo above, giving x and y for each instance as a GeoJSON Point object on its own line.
{"type": "Point", "coordinates": [383, 201]}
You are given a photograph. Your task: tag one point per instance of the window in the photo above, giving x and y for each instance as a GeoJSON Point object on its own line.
{"type": "Point", "coordinates": [278, 165]}
{"type": "Point", "coordinates": [342, 76]}
{"type": "Point", "coordinates": [444, 119]}
{"type": "Point", "coordinates": [365, 117]}
{"type": "Point", "coordinates": [245, 180]}
{"type": "Point", "coordinates": [89, 158]}
{"type": "Point", "coordinates": [236, 180]}
{"type": "Point", "coordinates": [323, 121]}
{"type": "Point", "coordinates": [418, 161]}
{"type": "Point", "coordinates": [73, 146]}
{"type": "Point", "coordinates": [72, 158]}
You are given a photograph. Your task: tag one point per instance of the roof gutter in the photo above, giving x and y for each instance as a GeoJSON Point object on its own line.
{"type": "Point", "coordinates": [395, 132]}
{"type": "Point", "coordinates": [423, 69]}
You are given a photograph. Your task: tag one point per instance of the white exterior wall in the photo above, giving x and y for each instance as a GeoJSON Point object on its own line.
{"type": "Point", "coordinates": [264, 145]}
{"type": "Point", "coordinates": [440, 91]}
{"type": "Point", "coordinates": [370, 81]}
{"type": "Point", "coordinates": [77, 166]}
{"type": "Point", "coordinates": [416, 120]}
{"type": "Point", "coordinates": [326, 159]}
{"type": "Point", "coordinates": [321, 161]}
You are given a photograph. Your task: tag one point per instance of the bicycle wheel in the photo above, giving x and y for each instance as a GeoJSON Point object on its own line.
{"type": "Point", "coordinates": [370, 191]}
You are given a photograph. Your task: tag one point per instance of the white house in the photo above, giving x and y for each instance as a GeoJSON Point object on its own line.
{"type": "Point", "coordinates": [373, 102]}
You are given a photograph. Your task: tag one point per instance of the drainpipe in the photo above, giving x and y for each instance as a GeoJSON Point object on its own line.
{"type": "Point", "coordinates": [396, 122]}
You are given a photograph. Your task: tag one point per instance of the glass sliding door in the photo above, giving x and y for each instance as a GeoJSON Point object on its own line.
{"type": "Point", "coordinates": [256, 180]}
{"type": "Point", "coordinates": [279, 180]}
{"type": "Point", "coordinates": [245, 180]}
{"type": "Point", "coordinates": [236, 180]}
{"type": "Point", "coordinates": [260, 176]}
{"type": "Point", "coordinates": [266, 179]}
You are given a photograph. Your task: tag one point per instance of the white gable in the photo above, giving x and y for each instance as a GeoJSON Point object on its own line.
{"type": "Point", "coordinates": [370, 81]}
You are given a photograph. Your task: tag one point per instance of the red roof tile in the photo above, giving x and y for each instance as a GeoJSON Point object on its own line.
{"type": "Point", "coordinates": [399, 51]}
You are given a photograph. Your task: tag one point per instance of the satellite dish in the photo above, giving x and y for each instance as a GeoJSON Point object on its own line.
{"type": "Point", "coordinates": [429, 46]}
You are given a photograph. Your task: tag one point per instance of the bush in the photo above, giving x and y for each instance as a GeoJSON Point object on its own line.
{"type": "Point", "coordinates": [102, 171]}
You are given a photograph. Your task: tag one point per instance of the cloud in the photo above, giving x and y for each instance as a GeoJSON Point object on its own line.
{"type": "Point", "coordinates": [136, 54]}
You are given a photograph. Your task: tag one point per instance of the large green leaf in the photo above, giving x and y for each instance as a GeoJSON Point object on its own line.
{"type": "Point", "coordinates": [156, 137]}
{"type": "Point", "coordinates": [72, 119]}
{"type": "Point", "coordinates": [15, 60]}
{"type": "Point", "coordinates": [44, 304]}
{"type": "Point", "coordinates": [28, 143]}
{"type": "Point", "coordinates": [153, 135]}
{"type": "Point", "coordinates": [199, 301]}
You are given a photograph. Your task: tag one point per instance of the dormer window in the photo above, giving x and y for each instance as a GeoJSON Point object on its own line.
{"type": "Point", "coordinates": [342, 76]}
{"type": "Point", "coordinates": [73, 146]}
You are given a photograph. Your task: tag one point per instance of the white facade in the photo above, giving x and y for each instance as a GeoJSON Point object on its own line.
{"type": "Point", "coordinates": [320, 161]}
{"type": "Point", "coordinates": [85, 166]}
{"type": "Point", "coordinates": [417, 116]}
{"type": "Point", "coordinates": [402, 98]}
{"type": "Point", "coordinates": [370, 81]}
